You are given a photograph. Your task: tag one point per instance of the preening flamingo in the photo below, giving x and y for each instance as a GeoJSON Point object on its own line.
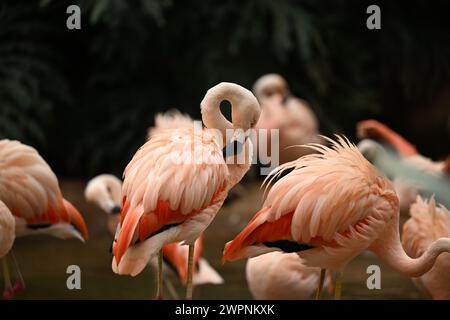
{"type": "Point", "coordinates": [282, 276]}
{"type": "Point", "coordinates": [428, 223]}
{"type": "Point", "coordinates": [174, 119]}
{"type": "Point", "coordinates": [332, 206]}
{"type": "Point", "coordinates": [105, 191]}
{"type": "Point", "coordinates": [293, 117]}
{"type": "Point", "coordinates": [7, 236]}
{"type": "Point", "coordinates": [178, 180]}
{"type": "Point", "coordinates": [30, 190]}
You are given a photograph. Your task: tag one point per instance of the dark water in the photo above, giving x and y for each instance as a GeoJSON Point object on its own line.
{"type": "Point", "coordinates": [44, 260]}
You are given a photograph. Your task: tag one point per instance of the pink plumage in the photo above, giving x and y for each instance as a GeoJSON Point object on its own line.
{"type": "Point", "coordinates": [332, 206]}
{"type": "Point", "coordinates": [178, 180]}
{"type": "Point", "coordinates": [292, 117]}
{"type": "Point", "coordinates": [429, 222]}
{"type": "Point", "coordinates": [282, 276]}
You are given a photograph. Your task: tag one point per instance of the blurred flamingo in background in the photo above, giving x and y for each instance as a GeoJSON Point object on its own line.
{"type": "Point", "coordinates": [30, 190]}
{"type": "Point", "coordinates": [428, 223]}
{"type": "Point", "coordinates": [176, 254]}
{"type": "Point", "coordinates": [373, 129]}
{"type": "Point", "coordinates": [282, 276]}
{"type": "Point", "coordinates": [7, 236]}
{"type": "Point", "coordinates": [331, 207]}
{"type": "Point", "coordinates": [293, 117]}
{"type": "Point", "coordinates": [408, 180]}
{"type": "Point", "coordinates": [105, 191]}
{"type": "Point", "coordinates": [406, 187]}
{"type": "Point", "coordinates": [178, 180]}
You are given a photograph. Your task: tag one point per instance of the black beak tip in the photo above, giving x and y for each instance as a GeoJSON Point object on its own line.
{"type": "Point", "coordinates": [233, 148]}
{"type": "Point", "coordinates": [115, 210]}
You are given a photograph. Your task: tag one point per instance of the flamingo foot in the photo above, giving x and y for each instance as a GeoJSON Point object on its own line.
{"type": "Point", "coordinates": [8, 293]}
{"type": "Point", "coordinates": [19, 286]}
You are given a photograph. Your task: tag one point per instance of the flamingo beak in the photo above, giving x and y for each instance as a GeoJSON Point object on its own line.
{"type": "Point", "coordinates": [115, 210]}
{"type": "Point", "coordinates": [236, 144]}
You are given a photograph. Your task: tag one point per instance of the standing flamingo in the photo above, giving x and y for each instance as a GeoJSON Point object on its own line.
{"type": "Point", "coordinates": [30, 190]}
{"type": "Point", "coordinates": [105, 191]}
{"type": "Point", "coordinates": [293, 117]}
{"type": "Point", "coordinates": [331, 207]}
{"type": "Point", "coordinates": [282, 276]}
{"type": "Point", "coordinates": [178, 180]}
{"type": "Point", "coordinates": [7, 236]}
{"type": "Point", "coordinates": [428, 223]}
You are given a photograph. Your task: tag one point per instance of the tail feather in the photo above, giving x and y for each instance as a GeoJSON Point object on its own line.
{"type": "Point", "coordinates": [127, 232]}
{"type": "Point", "coordinates": [258, 231]}
{"type": "Point", "coordinates": [76, 219]}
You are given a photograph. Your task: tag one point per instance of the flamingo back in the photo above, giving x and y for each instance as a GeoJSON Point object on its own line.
{"type": "Point", "coordinates": [335, 201]}
{"type": "Point", "coordinates": [30, 189]}
{"type": "Point", "coordinates": [171, 178]}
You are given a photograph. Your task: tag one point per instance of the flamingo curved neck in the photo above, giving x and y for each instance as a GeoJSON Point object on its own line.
{"type": "Point", "coordinates": [390, 250]}
{"type": "Point", "coordinates": [105, 191]}
{"type": "Point", "coordinates": [238, 97]}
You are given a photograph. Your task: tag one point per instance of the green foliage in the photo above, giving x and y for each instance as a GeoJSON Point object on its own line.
{"type": "Point", "coordinates": [86, 97]}
{"type": "Point", "coordinates": [31, 85]}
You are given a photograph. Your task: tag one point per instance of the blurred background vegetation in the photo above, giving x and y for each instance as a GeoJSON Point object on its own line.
{"type": "Point", "coordinates": [84, 98]}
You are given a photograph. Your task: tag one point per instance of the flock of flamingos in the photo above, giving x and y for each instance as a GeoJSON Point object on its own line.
{"type": "Point", "coordinates": [324, 205]}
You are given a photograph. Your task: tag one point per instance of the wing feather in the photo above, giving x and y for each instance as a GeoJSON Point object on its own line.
{"type": "Point", "coordinates": [328, 192]}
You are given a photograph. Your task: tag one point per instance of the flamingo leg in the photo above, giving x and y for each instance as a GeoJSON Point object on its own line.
{"type": "Point", "coordinates": [159, 286]}
{"type": "Point", "coordinates": [321, 281]}
{"type": "Point", "coordinates": [338, 286]}
{"type": "Point", "coordinates": [190, 265]}
{"type": "Point", "coordinates": [19, 285]}
{"type": "Point", "coordinates": [8, 293]}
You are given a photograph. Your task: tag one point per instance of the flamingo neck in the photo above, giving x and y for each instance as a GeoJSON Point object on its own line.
{"type": "Point", "coordinates": [212, 116]}
{"type": "Point", "coordinates": [238, 169]}
{"type": "Point", "coordinates": [240, 100]}
{"type": "Point", "coordinates": [390, 250]}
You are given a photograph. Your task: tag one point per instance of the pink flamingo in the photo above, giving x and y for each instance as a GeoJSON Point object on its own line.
{"type": "Point", "coordinates": [331, 207]}
{"type": "Point", "coordinates": [293, 117]}
{"type": "Point", "coordinates": [30, 190]}
{"type": "Point", "coordinates": [178, 180]}
{"type": "Point", "coordinates": [282, 276]}
{"type": "Point", "coordinates": [105, 191]}
{"type": "Point", "coordinates": [407, 190]}
{"type": "Point", "coordinates": [428, 223]}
